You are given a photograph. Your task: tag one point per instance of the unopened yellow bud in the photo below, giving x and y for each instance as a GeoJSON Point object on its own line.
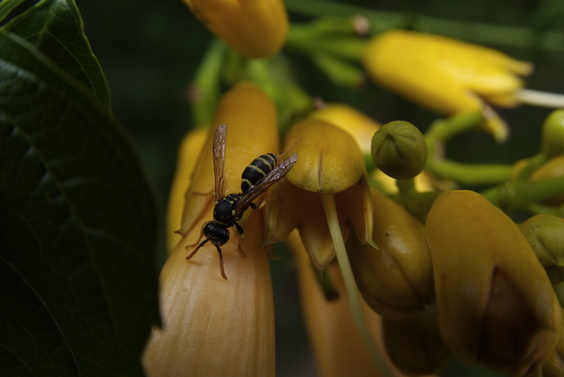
{"type": "Point", "coordinates": [495, 304]}
{"type": "Point", "coordinates": [253, 28]}
{"type": "Point", "coordinates": [446, 75]}
{"type": "Point", "coordinates": [396, 280]}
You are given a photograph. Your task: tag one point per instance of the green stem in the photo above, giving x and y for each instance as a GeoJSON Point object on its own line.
{"type": "Point", "coordinates": [205, 87]}
{"type": "Point", "coordinates": [519, 195]}
{"type": "Point", "coordinates": [470, 174]}
{"type": "Point", "coordinates": [477, 32]}
{"type": "Point", "coordinates": [328, 201]}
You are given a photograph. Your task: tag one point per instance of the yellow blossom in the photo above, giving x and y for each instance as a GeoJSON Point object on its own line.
{"type": "Point", "coordinates": [253, 28]}
{"type": "Point", "coordinates": [495, 304]}
{"type": "Point", "coordinates": [446, 75]}
{"type": "Point", "coordinates": [204, 316]}
{"type": "Point", "coordinates": [330, 165]}
{"type": "Point", "coordinates": [252, 130]}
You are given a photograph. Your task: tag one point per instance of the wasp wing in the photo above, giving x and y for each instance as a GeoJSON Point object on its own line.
{"type": "Point", "coordinates": [261, 186]}
{"type": "Point", "coordinates": [219, 139]}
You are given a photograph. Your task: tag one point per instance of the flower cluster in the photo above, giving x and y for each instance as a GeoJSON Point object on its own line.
{"type": "Point", "coordinates": [395, 281]}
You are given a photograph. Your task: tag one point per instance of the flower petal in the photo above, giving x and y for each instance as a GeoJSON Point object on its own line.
{"type": "Point", "coordinates": [330, 159]}
{"type": "Point", "coordinates": [188, 153]}
{"type": "Point", "coordinates": [253, 28]}
{"type": "Point", "coordinates": [204, 316]}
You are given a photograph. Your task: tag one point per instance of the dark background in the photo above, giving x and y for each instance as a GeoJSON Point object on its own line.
{"type": "Point", "coordinates": [149, 51]}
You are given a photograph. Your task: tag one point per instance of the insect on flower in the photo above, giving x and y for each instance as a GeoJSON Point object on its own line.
{"type": "Point", "coordinates": [259, 175]}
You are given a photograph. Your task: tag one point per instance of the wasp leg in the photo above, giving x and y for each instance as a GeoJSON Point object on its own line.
{"type": "Point", "coordinates": [220, 261]}
{"type": "Point", "coordinates": [242, 233]}
{"type": "Point", "coordinates": [195, 243]}
{"type": "Point", "coordinates": [198, 248]}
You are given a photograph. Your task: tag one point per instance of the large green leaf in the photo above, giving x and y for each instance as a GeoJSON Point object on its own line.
{"type": "Point", "coordinates": [78, 289]}
{"type": "Point", "coordinates": [55, 28]}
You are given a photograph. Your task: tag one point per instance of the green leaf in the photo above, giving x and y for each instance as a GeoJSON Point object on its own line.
{"type": "Point", "coordinates": [56, 29]}
{"type": "Point", "coordinates": [78, 288]}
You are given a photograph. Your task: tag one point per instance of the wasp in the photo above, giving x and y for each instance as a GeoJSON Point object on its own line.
{"type": "Point", "coordinates": [257, 177]}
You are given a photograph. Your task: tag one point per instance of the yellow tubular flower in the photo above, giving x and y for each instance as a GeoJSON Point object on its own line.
{"type": "Point", "coordinates": [189, 150]}
{"type": "Point", "coordinates": [204, 316]}
{"type": "Point", "coordinates": [253, 28]}
{"type": "Point", "coordinates": [446, 75]}
{"type": "Point", "coordinates": [329, 163]}
{"type": "Point", "coordinates": [397, 280]}
{"type": "Point", "coordinates": [495, 304]}
{"type": "Point", "coordinates": [252, 130]}
{"type": "Point", "coordinates": [337, 343]}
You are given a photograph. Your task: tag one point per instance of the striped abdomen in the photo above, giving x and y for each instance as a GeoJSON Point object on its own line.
{"type": "Point", "coordinates": [258, 169]}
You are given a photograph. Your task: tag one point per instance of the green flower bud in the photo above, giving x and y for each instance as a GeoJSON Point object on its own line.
{"type": "Point", "coordinates": [545, 233]}
{"type": "Point", "coordinates": [552, 136]}
{"type": "Point", "coordinates": [399, 150]}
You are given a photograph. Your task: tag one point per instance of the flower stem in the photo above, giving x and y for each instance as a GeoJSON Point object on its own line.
{"type": "Point", "coordinates": [470, 174]}
{"type": "Point", "coordinates": [510, 36]}
{"type": "Point", "coordinates": [519, 195]}
{"type": "Point", "coordinates": [328, 201]}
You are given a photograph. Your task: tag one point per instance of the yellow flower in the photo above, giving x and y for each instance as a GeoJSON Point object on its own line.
{"type": "Point", "coordinates": [446, 75]}
{"type": "Point", "coordinates": [212, 326]}
{"type": "Point", "coordinates": [253, 28]}
{"type": "Point", "coordinates": [330, 168]}
{"type": "Point", "coordinates": [495, 304]}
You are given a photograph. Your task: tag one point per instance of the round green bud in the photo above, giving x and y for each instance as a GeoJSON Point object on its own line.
{"type": "Point", "coordinates": [399, 150]}
{"type": "Point", "coordinates": [552, 135]}
{"type": "Point", "coordinates": [545, 233]}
